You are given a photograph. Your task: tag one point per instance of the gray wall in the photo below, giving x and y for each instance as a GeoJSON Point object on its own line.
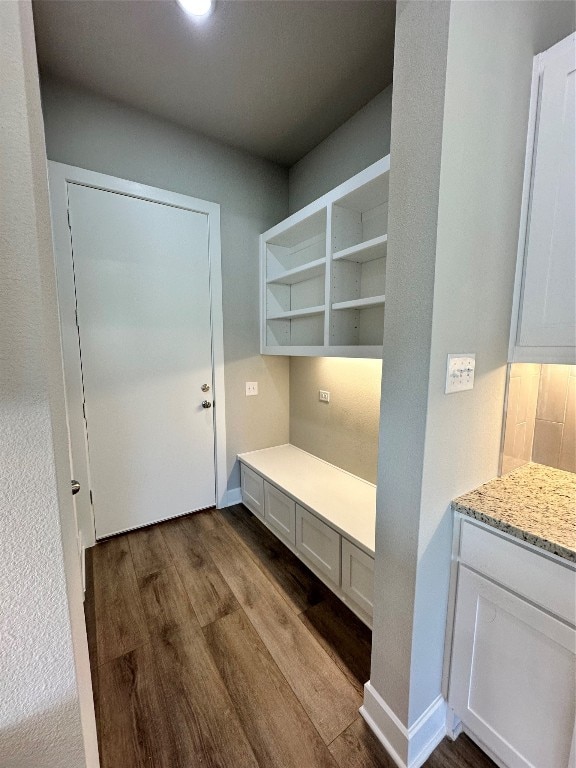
{"type": "Point", "coordinates": [345, 432]}
{"type": "Point", "coordinates": [358, 143]}
{"type": "Point", "coordinates": [91, 132]}
{"type": "Point", "coordinates": [46, 709]}
{"type": "Point", "coordinates": [455, 195]}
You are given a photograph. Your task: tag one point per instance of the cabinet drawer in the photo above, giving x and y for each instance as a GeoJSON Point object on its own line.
{"type": "Point", "coordinates": [252, 491]}
{"type": "Point", "coordinates": [357, 576]}
{"type": "Point", "coordinates": [529, 574]}
{"type": "Point", "coordinates": [318, 543]}
{"type": "Point", "coordinates": [280, 513]}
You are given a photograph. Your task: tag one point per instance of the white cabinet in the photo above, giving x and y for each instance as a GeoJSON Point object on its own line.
{"type": "Point", "coordinates": [318, 543]}
{"type": "Point", "coordinates": [323, 272]}
{"type": "Point", "coordinates": [358, 576]}
{"type": "Point", "coordinates": [252, 487]}
{"type": "Point", "coordinates": [513, 665]}
{"type": "Point", "coordinates": [280, 513]}
{"type": "Point", "coordinates": [324, 515]}
{"type": "Point", "coordinates": [544, 315]}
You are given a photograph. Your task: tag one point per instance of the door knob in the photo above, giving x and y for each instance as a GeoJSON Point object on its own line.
{"type": "Point", "coordinates": [206, 404]}
{"type": "Point", "coordinates": [75, 487]}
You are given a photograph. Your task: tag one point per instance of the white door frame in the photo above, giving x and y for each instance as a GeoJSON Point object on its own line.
{"type": "Point", "coordinates": [60, 176]}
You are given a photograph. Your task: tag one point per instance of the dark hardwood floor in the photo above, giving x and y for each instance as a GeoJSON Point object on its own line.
{"type": "Point", "coordinates": [211, 645]}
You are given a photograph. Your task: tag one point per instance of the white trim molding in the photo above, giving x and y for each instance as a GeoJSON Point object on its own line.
{"type": "Point", "coordinates": [408, 747]}
{"type": "Point", "coordinates": [231, 497]}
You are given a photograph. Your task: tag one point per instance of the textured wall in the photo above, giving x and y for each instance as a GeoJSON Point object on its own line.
{"type": "Point", "coordinates": [345, 430]}
{"type": "Point", "coordinates": [45, 694]}
{"type": "Point", "coordinates": [458, 139]}
{"type": "Point", "coordinates": [88, 131]}
{"type": "Point", "coordinates": [358, 143]}
{"type": "Point", "coordinates": [417, 118]}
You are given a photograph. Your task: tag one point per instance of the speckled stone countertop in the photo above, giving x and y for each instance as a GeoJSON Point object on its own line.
{"type": "Point", "coordinates": [534, 503]}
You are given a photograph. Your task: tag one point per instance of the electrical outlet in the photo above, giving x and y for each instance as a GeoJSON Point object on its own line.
{"type": "Point", "coordinates": [251, 388]}
{"type": "Point", "coordinates": [460, 372]}
{"type": "Point", "coordinates": [323, 396]}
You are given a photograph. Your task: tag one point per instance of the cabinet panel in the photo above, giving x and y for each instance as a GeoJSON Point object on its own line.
{"type": "Point", "coordinates": [318, 543]}
{"type": "Point", "coordinates": [280, 513]}
{"type": "Point", "coordinates": [544, 326]}
{"type": "Point", "coordinates": [358, 576]}
{"type": "Point", "coordinates": [547, 583]}
{"type": "Point", "coordinates": [252, 491]}
{"type": "Point", "coordinates": [513, 675]}
{"type": "Point", "coordinates": [549, 304]}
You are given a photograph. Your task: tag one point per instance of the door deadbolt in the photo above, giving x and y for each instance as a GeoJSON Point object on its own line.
{"type": "Point", "coordinates": [205, 387]}
{"type": "Point", "coordinates": [206, 404]}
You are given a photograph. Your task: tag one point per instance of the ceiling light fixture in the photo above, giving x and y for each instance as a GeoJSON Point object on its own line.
{"type": "Point", "coordinates": [198, 8]}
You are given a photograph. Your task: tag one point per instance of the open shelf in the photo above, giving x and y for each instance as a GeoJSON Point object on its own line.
{"type": "Point", "coordinates": [371, 301]}
{"type": "Point", "coordinates": [323, 272]}
{"type": "Point", "coordinates": [307, 312]}
{"type": "Point", "coordinates": [357, 326]}
{"type": "Point", "coordinates": [299, 274]}
{"type": "Point", "coordinates": [367, 251]}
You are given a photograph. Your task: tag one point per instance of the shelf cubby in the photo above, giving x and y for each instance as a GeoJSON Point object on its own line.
{"type": "Point", "coordinates": [362, 326]}
{"type": "Point", "coordinates": [361, 215]}
{"type": "Point", "coordinates": [323, 272]}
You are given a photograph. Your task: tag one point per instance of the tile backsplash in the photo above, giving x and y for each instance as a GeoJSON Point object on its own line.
{"type": "Point", "coordinates": [540, 423]}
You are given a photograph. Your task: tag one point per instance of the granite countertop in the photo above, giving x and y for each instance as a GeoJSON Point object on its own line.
{"type": "Point", "coordinates": [534, 503]}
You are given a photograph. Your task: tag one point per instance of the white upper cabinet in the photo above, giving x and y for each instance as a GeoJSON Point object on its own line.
{"type": "Point", "coordinates": [544, 315]}
{"type": "Point", "coordinates": [323, 272]}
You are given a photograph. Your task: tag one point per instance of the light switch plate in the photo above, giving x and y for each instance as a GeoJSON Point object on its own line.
{"type": "Point", "coordinates": [251, 388]}
{"type": "Point", "coordinates": [323, 396]}
{"type": "Point", "coordinates": [460, 372]}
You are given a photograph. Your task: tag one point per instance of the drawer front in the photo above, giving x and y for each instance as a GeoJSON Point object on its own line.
{"type": "Point", "coordinates": [252, 491]}
{"type": "Point", "coordinates": [357, 576]}
{"type": "Point", "coordinates": [533, 576]}
{"type": "Point", "coordinates": [280, 513]}
{"type": "Point", "coordinates": [318, 543]}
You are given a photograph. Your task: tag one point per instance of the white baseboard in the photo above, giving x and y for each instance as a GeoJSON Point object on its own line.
{"type": "Point", "coordinates": [408, 747]}
{"type": "Point", "coordinates": [232, 496]}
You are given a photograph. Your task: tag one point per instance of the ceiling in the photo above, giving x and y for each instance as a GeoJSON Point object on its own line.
{"type": "Point", "coordinates": [273, 77]}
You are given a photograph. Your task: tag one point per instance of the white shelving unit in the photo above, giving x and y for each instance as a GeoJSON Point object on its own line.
{"type": "Point", "coordinates": [323, 273]}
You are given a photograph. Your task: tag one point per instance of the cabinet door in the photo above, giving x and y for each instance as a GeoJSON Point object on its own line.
{"type": "Point", "coordinates": [280, 513]}
{"type": "Point", "coordinates": [318, 543]}
{"type": "Point", "coordinates": [513, 673]}
{"type": "Point", "coordinates": [548, 312]}
{"type": "Point", "coordinates": [252, 491]}
{"type": "Point", "coordinates": [357, 576]}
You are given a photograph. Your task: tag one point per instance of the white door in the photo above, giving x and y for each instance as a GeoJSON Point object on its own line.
{"type": "Point", "coordinates": [548, 316]}
{"type": "Point", "coordinates": [142, 282]}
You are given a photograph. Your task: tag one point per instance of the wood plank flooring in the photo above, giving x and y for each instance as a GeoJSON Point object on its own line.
{"type": "Point", "coordinates": [211, 645]}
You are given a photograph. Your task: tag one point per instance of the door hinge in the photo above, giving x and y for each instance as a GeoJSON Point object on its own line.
{"type": "Point", "coordinates": [91, 499]}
